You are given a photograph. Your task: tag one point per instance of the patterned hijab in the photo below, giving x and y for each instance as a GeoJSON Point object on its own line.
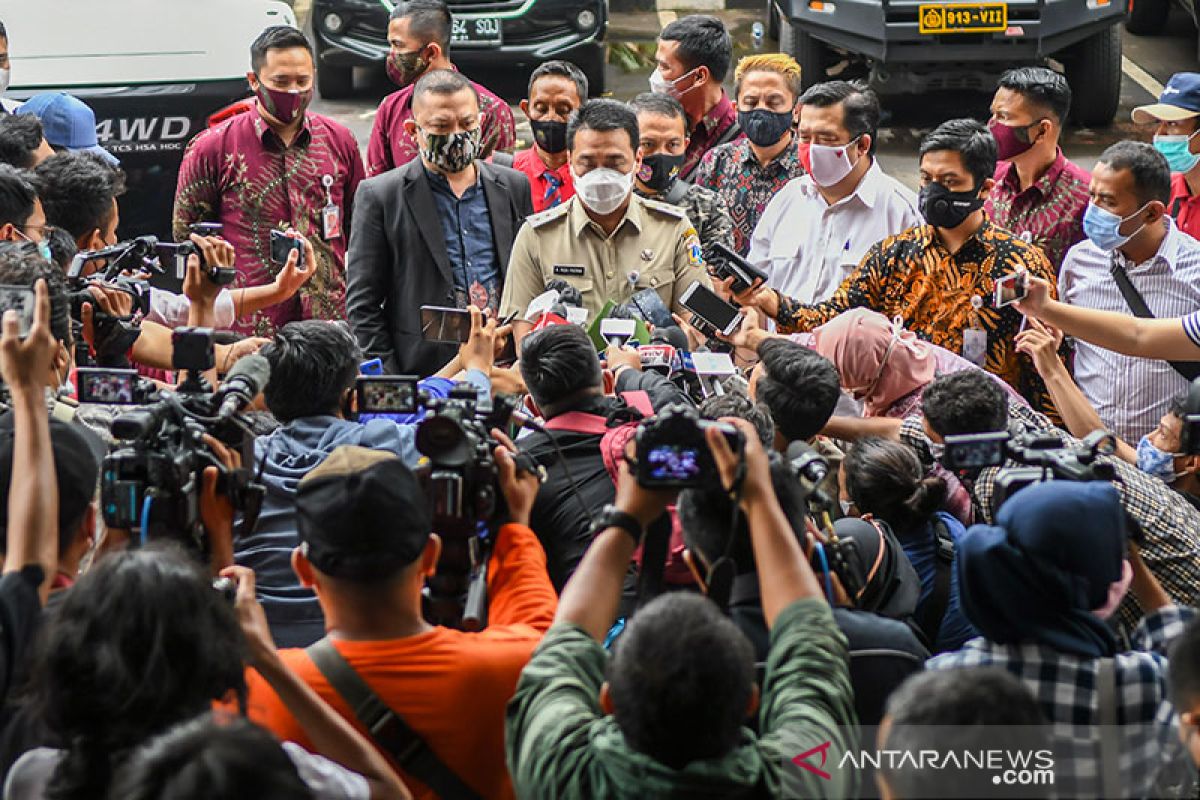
{"type": "Point", "coordinates": [878, 360]}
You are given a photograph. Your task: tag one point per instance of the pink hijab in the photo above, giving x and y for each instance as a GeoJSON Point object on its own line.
{"type": "Point", "coordinates": [878, 360]}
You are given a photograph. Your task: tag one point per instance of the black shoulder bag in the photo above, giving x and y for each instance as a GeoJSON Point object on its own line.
{"type": "Point", "coordinates": [1190, 370]}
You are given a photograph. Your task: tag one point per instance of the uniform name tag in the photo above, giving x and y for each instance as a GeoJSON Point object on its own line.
{"type": "Point", "coordinates": [568, 269]}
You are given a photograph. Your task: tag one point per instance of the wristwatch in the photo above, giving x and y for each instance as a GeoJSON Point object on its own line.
{"type": "Point", "coordinates": [613, 517]}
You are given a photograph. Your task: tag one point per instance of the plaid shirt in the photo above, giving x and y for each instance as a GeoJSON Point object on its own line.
{"type": "Point", "coordinates": [1170, 524]}
{"type": "Point", "coordinates": [1065, 686]}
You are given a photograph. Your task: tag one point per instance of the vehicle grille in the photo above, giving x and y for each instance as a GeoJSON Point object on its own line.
{"type": "Point", "coordinates": [476, 7]}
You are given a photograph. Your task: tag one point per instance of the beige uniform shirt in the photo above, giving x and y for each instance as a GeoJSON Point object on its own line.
{"type": "Point", "coordinates": [654, 247]}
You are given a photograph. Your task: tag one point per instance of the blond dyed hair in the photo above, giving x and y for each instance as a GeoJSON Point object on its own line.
{"type": "Point", "coordinates": [779, 63]}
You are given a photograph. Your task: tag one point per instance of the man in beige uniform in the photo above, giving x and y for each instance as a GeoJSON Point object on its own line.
{"type": "Point", "coordinates": [605, 240]}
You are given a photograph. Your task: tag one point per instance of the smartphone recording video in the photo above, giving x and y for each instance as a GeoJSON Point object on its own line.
{"type": "Point", "coordinates": [387, 394]}
{"type": "Point", "coordinates": [1012, 288]}
{"type": "Point", "coordinates": [20, 299]}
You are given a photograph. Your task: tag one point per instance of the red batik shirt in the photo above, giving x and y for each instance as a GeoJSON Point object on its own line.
{"type": "Point", "coordinates": [392, 147]}
{"type": "Point", "coordinates": [1049, 214]}
{"type": "Point", "coordinates": [241, 175]}
{"type": "Point", "coordinates": [707, 133]}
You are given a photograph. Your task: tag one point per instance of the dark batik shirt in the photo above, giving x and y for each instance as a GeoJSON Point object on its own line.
{"type": "Point", "coordinates": [241, 175]}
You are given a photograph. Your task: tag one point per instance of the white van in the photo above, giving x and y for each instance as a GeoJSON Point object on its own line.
{"type": "Point", "coordinates": [153, 71]}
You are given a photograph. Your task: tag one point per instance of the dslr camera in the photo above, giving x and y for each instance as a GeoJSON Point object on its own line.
{"type": "Point", "coordinates": [1043, 458]}
{"type": "Point", "coordinates": [672, 452]}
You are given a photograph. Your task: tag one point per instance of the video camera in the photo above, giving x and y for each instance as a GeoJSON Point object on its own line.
{"type": "Point", "coordinates": [151, 484]}
{"type": "Point", "coordinates": [672, 452]}
{"type": "Point", "coordinates": [1044, 457]}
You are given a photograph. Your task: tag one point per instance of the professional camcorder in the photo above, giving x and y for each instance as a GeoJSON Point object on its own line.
{"type": "Point", "coordinates": [151, 483]}
{"type": "Point", "coordinates": [1044, 457]}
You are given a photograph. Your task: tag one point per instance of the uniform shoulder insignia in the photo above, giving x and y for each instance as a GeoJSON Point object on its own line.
{"type": "Point", "coordinates": [665, 208]}
{"type": "Point", "coordinates": [542, 217]}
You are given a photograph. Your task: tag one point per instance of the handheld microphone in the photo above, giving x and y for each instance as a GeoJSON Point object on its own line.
{"type": "Point", "coordinates": [672, 335]}
{"type": "Point", "coordinates": [244, 382]}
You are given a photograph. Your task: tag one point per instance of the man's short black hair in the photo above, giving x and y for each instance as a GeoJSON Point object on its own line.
{"type": "Point", "coordinates": [3, 32]}
{"type": "Point", "coordinates": [20, 265]}
{"type": "Point", "coordinates": [559, 364]}
{"type": "Point", "coordinates": [20, 137]}
{"type": "Point", "coordinates": [661, 104]}
{"type": "Point", "coordinates": [429, 21]}
{"type": "Point", "coordinates": [703, 42]}
{"type": "Point", "coordinates": [603, 115]}
{"type": "Point", "coordinates": [17, 196]}
{"type": "Point", "coordinates": [979, 708]}
{"type": "Point", "coordinates": [860, 106]}
{"type": "Point", "coordinates": [1184, 675]}
{"type": "Point", "coordinates": [1151, 175]}
{"type": "Point", "coordinates": [1042, 88]}
{"type": "Point", "coordinates": [968, 401]}
{"type": "Point", "coordinates": [276, 37]}
{"type": "Point", "coordinates": [740, 406]}
{"type": "Point", "coordinates": [799, 386]}
{"type": "Point", "coordinates": [562, 69]}
{"type": "Point", "coordinates": [970, 140]}
{"type": "Point", "coordinates": [681, 681]}
{"type": "Point", "coordinates": [77, 190]}
{"type": "Point", "coordinates": [313, 364]}
{"type": "Point", "coordinates": [1178, 406]}
{"type": "Point", "coordinates": [442, 82]}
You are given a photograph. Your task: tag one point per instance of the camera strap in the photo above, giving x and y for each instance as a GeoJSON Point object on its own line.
{"type": "Point", "coordinates": [929, 616]}
{"type": "Point", "coordinates": [1190, 370]}
{"type": "Point", "coordinates": [387, 728]}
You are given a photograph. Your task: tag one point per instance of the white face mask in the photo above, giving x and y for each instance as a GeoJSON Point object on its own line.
{"type": "Point", "coordinates": [5, 77]}
{"type": "Point", "coordinates": [831, 164]}
{"type": "Point", "coordinates": [603, 189]}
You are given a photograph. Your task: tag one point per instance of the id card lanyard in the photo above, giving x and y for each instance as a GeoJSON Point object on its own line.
{"type": "Point", "coordinates": [331, 215]}
{"type": "Point", "coordinates": [974, 338]}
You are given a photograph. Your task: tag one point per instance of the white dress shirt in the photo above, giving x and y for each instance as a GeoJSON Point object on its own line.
{"type": "Point", "coordinates": [808, 247]}
{"type": "Point", "coordinates": [1131, 394]}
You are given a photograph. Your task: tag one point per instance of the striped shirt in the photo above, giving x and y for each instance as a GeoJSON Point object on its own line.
{"type": "Point", "coordinates": [1131, 394]}
{"type": "Point", "coordinates": [1191, 326]}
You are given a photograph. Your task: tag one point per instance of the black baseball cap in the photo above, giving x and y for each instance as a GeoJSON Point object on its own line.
{"type": "Point", "coordinates": [362, 514]}
{"type": "Point", "coordinates": [78, 454]}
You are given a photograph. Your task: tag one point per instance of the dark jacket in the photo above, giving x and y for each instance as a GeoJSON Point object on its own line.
{"type": "Point", "coordinates": [560, 517]}
{"type": "Point", "coordinates": [398, 261]}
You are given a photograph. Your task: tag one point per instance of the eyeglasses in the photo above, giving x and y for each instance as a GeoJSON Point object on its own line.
{"type": "Point", "coordinates": [45, 231]}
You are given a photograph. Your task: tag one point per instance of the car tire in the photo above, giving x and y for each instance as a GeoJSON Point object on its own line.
{"type": "Point", "coordinates": [1094, 72]}
{"type": "Point", "coordinates": [335, 83]}
{"type": "Point", "coordinates": [594, 64]}
{"type": "Point", "coordinates": [809, 53]}
{"type": "Point", "coordinates": [772, 21]}
{"type": "Point", "coordinates": [1147, 17]}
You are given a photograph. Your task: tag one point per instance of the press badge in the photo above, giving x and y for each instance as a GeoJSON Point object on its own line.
{"type": "Point", "coordinates": [331, 215]}
{"type": "Point", "coordinates": [974, 346]}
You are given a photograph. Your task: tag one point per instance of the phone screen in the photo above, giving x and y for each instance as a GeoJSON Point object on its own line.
{"type": "Point", "coordinates": [20, 299]}
{"type": "Point", "coordinates": [709, 307]}
{"type": "Point", "coordinates": [1011, 288]}
{"type": "Point", "coordinates": [387, 395]}
{"type": "Point", "coordinates": [107, 386]}
{"type": "Point", "coordinates": [445, 324]}
{"type": "Point", "coordinates": [672, 463]}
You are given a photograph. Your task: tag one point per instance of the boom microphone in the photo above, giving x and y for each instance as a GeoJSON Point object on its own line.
{"type": "Point", "coordinates": [244, 382]}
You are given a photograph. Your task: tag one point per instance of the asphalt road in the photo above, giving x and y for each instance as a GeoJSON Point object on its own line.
{"type": "Point", "coordinates": [1149, 62]}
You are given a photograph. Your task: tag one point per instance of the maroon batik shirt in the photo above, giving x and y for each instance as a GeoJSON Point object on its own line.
{"type": "Point", "coordinates": [708, 133]}
{"type": "Point", "coordinates": [241, 175]}
{"type": "Point", "coordinates": [1049, 214]}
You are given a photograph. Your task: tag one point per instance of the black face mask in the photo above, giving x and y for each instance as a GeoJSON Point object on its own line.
{"type": "Point", "coordinates": [550, 135]}
{"type": "Point", "coordinates": [659, 171]}
{"type": "Point", "coordinates": [764, 127]}
{"type": "Point", "coordinates": [943, 208]}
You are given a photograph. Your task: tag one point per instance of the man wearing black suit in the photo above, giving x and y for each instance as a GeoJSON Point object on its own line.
{"type": "Point", "coordinates": [436, 231]}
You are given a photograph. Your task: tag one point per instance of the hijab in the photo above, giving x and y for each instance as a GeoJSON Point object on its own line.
{"type": "Point", "coordinates": [1052, 557]}
{"type": "Point", "coordinates": [878, 360]}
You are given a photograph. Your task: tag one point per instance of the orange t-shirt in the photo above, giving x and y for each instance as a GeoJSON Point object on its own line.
{"type": "Point", "coordinates": [449, 686]}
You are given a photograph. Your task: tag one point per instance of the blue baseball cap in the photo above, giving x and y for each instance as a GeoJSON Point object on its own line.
{"type": "Point", "coordinates": [67, 122]}
{"type": "Point", "coordinates": [1179, 100]}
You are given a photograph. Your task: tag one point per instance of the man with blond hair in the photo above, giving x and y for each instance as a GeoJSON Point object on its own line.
{"type": "Point", "coordinates": [747, 173]}
{"type": "Point", "coordinates": [817, 229]}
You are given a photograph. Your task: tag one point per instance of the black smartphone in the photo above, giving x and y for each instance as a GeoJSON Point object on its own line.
{"type": "Point", "coordinates": [206, 228]}
{"type": "Point", "coordinates": [744, 274]}
{"type": "Point", "coordinates": [282, 245]}
{"type": "Point", "coordinates": [386, 394]}
{"type": "Point", "coordinates": [22, 300]}
{"type": "Point", "coordinates": [440, 324]}
{"type": "Point", "coordinates": [710, 308]}
{"type": "Point", "coordinates": [113, 387]}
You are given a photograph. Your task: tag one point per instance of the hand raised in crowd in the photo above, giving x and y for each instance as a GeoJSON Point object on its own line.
{"type": "Point", "coordinates": [113, 302]}
{"type": "Point", "coordinates": [217, 512]}
{"type": "Point", "coordinates": [260, 646]}
{"type": "Point", "coordinates": [757, 296]}
{"type": "Point", "coordinates": [617, 356]}
{"type": "Point", "coordinates": [1040, 342]}
{"type": "Point", "coordinates": [644, 505]}
{"type": "Point", "coordinates": [197, 286]}
{"type": "Point", "coordinates": [228, 354]}
{"type": "Point", "coordinates": [756, 483]}
{"type": "Point", "coordinates": [695, 338]}
{"type": "Point", "coordinates": [1036, 297]}
{"type": "Point", "coordinates": [25, 363]}
{"type": "Point", "coordinates": [478, 352]}
{"type": "Point", "coordinates": [294, 275]}
{"type": "Point", "coordinates": [751, 333]}
{"type": "Point", "coordinates": [520, 488]}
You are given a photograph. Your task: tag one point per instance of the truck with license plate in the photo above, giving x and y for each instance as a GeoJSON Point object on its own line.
{"type": "Point", "coordinates": [914, 46]}
{"type": "Point", "coordinates": [486, 34]}
{"type": "Point", "coordinates": [152, 70]}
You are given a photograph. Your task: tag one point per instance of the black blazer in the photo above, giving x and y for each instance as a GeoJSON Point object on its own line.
{"type": "Point", "coordinates": [397, 261]}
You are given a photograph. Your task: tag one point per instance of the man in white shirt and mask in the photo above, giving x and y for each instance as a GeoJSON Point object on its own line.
{"type": "Point", "coordinates": [6, 106]}
{"type": "Point", "coordinates": [817, 229]}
